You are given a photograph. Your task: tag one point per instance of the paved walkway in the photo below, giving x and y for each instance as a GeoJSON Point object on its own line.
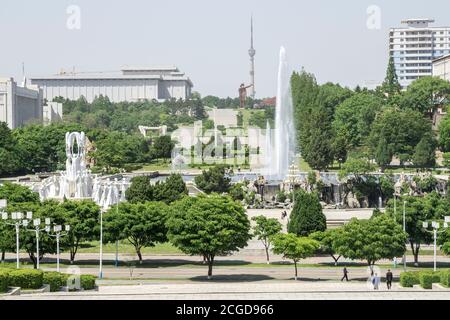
{"type": "Point", "coordinates": [237, 291]}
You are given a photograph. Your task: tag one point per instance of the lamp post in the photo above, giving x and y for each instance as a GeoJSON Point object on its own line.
{"type": "Point", "coordinates": [37, 228]}
{"type": "Point", "coordinates": [58, 234]}
{"type": "Point", "coordinates": [17, 217]}
{"type": "Point", "coordinates": [404, 230]}
{"type": "Point", "coordinates": [100, 271]}
{"type": "Point", "coordinates": [435, 225]}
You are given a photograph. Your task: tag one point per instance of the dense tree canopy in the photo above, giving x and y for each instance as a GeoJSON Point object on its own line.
{"type": "Point", "coordinates": [265, 229]}
{"type": "Point", "coordinates": [142, 224]}
{"type": "Point", "coordinates": [209, 226]}
{"type": "Point", "coordinates": [213, 180]}
{"type": "Point", "coordinates": [424, 94]}
{"type": "Point", "coordinates": [306, 216]}
{"type": "Point", "coordinates": [294, 247]}
{"type": "Point", "coordinates": [397, 133]}
{"type": "Point", "coordinates": [371, 240]}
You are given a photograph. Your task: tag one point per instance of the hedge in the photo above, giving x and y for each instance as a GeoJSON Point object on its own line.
{"type": "Point", "coordinates": [409, 279]}
{"type": "Point", "coordinates": [426, 280]}
{"type": "Point", "coordinates": [26, 278]}
{"type": "Point", "coordinates": [445, 278]}
{"type": "Point", "coordinates": [4, 279]}
{"type": "Point", "coordinates": [54, 279]}
{"type": "Point", "coordinates": [87, 282]}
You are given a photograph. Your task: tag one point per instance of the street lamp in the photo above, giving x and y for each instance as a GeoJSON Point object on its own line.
{"type": "Point", "coordinates": [17, 217]}
{"type": "Point", "coordinates": [435, 225]}
{"type": "Point", "coordinates": [404, 230]}
{"type": "Point", "coordinates": [37, 228]}
{"type": "Point", "coordinates": [58, 234]}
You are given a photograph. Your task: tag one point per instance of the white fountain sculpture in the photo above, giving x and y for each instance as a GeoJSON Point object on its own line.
{"type": "Point", "coordinates": [77, 182]}
{"type": "Point", "coordinates": [281, 154]}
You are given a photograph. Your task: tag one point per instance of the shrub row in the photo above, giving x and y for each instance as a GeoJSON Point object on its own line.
{"type": "Point", "coordinates": [425, 278]}
{"type": "Point", "coordinates": [35, 279]}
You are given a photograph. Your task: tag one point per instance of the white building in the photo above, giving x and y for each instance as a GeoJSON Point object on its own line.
{"type": "Point", "coordinates": [129, 84]}
{"type": "Point", "coordinates": [19, 105]}
{"type": "Point", "coordinates": [52, 112]}
{"type": "Point", "coordinates": [415, 46]}
{"type": "Point", "coordinates": [441, 67]}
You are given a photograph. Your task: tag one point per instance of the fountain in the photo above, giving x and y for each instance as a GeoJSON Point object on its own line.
{"type": "Point", "coordinates": [282, 154]}
{"type": "Point", "coordinates": [77, 182]}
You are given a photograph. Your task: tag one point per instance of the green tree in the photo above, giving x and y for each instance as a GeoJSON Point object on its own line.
{"type": "Point", "coordinates": [306, 216]}
{"type": "Point", "coordinates": [418, 210]}
{"type": "Point", "coordinates": [294, 248]}
{"type": "Point", "coordinates": [209, 226]}
{"type": "Point", "coordinates": [444, 134]}
{"type": "Point", "coordinates": [425, 152]}
{"type": "Point", "coordinates": [142, 224]}
{"type": "Point", "coordinates": [237, 191]}
{"type": "Point", "coordinates": [425, 93]}
{"type": "Point", "coordinates": [10, 157]}
{"type": "Point", "coordinates": [27, 236]}
{"type": "Point", "coordinates": [354, 117]}
{"type": "Point", "coordinates": [371, 240]}
{"type": "Point", "coordinates": [316, 140]}
{"type": "Point", "coordinates": [117, 149]}
{"type": "Point", "coordinates": [83, 218]}
{"type": "Point", "coordinates": [213, 180]}
{"type": "Point", "coordinates": [140, 190]}
{"type": "Point", "coordinates": [391, 86]}
{"type": "Point", "coordinates": [15, 193]}
{"type": "Point", "coordinates": [162, 147]}
{"type": "Point", "coordinates": [399, 130]}
{"type": "Point", "coordinates": [265, 229]}
{"type": "Point", "coordinates": [383, 156]}
{"type": "Point", "coordinates": [326, 239]}
{"type": "Point", "coordinates": [171, 190]}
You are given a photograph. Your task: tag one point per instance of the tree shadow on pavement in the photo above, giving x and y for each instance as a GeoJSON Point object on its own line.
{"type": "Point", "coordinates": [232, 278]}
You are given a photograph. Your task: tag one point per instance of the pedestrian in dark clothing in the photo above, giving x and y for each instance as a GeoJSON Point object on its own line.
{"type": "Point", "coordinates": [389, 278]}
{"type": "Point", "coordinates": [345, 275]}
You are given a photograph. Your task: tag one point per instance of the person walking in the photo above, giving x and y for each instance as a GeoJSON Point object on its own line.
{"type": "Point", "coordinates": [376, 281]}
{"type": "Point", "coordinates": [389, 278]}
{"type": "Point", "coordinates": [345, 274]}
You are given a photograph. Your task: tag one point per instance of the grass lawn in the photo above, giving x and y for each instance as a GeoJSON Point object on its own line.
{"type": "Point", "coordinates": [156, 165]}
{"type": "Point", "coordinates": [126, 248]}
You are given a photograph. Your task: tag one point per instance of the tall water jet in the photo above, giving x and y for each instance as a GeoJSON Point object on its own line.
{"type": "Point", "coordinates": [283, 150]}
{"type": "Point", "coordinates": [268, 150]}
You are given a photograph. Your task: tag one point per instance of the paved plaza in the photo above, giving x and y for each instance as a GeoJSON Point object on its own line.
{"type": "Point", "coordinates": [283, 290]}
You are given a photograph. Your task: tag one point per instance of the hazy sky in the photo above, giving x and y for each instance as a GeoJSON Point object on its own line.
{"type": "Point", "coordinates": [207, 39]}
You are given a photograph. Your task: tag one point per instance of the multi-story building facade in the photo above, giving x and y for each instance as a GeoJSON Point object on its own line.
{"type": "Point", "coordinates": [415, 46]}
{"type": "Point", "coordinates": [19, 105]}
{"type": "Point", "coordinates": [130, 84]}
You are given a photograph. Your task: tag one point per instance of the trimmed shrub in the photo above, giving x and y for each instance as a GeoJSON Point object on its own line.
{"type": "Point", "coordinates": [426, 280]}
{"type": "Point", "coordinates": [4, 279]}
{"type": "Point", "coordinates": [54, 279]}
{"type": "Point", "coordinates": [409, 279]}
{"type": "Point", "coordinates": [87, 281]}
{"type": "Point", "coordinates": [26, 278]}
{"type": "Point", "coordinates": [437, 276]}
{"type": "Point", "coordinates": [445, 278]}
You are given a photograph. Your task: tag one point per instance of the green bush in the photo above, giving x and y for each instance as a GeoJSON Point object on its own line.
{"type": "Point", "coordinates": [437, 276]}
{"type": "Point", "coordinates": [445, 278]}
{"type": "Point", "coordinates": [87, 282]}
{"type": "Point", "coordinates": [54, 279]}
{"type": "Point", "coordinates": [409, 279]}
{"type": "Point", "coordinates": [4, 279]}
{"type": "Point", "coordinates": [26, 278]}
{"type": "Point", "coordinates": [426, 280]}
